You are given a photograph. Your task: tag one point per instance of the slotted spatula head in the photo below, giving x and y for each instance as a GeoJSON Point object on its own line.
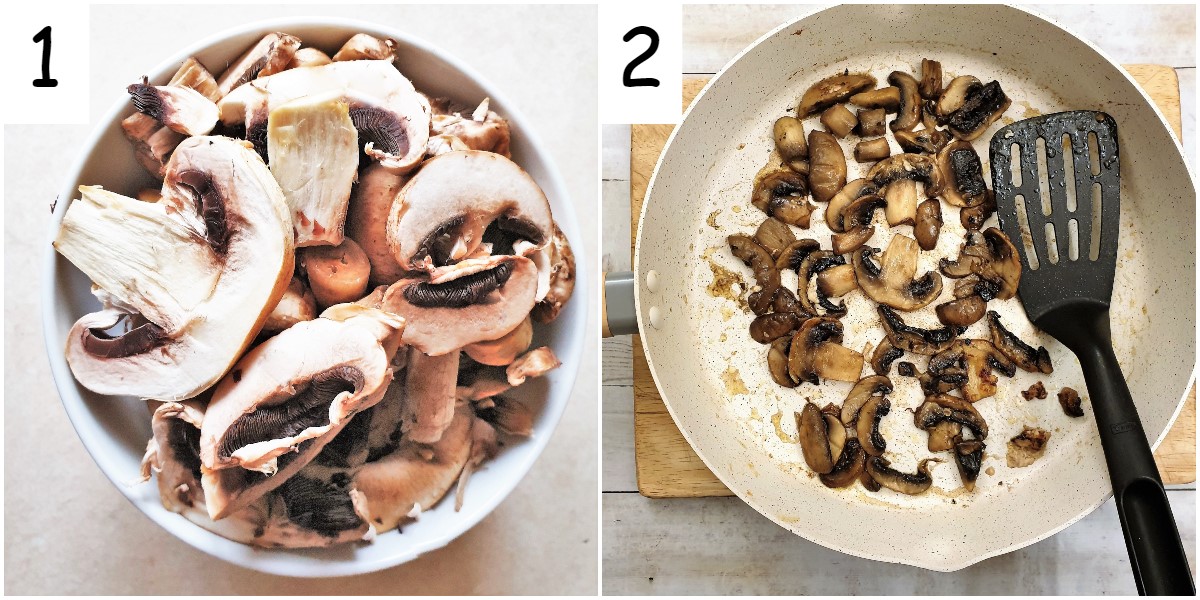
{"type": "Point", "coordinates": [1057, 180]}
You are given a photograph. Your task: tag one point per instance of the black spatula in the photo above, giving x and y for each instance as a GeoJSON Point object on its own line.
{"type": "Point", "coordinates": [1064, 219]}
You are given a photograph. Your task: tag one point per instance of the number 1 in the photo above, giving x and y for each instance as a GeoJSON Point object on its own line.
{"type": "Point", "coordinates": [44, 80]}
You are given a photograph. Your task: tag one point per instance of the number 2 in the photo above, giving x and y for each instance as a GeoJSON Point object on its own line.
{"type": "Point", "coordinates": [44, 80]}
{"type": "Point", "coordinates": [627, 78]}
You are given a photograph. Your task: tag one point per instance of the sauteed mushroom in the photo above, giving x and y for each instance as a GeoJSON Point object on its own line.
{"type": "Point", "coordinates": [830, 91]}
{"type": "Point", "coordinates": [992, 257]}
{"type": "Point", "coordinates": [790, 139]}
{"type": "Point", "coordinates": [815, 263]}
{"type": "Point", "coordinates": [892, 282]}
{"type": "Point", "coordinates": [871, 150]}
{"type": "Point", "coordinates": [905, 483]}
{"type": "Point", "coordinates": [838, 120]}
{"type": "Point", "coordinates": [813, 431]}
{"type": "Point", "coordinates": [909, 113]}
{"type": "Point", "coordinates": [795, 253]}
{"type": "Point", "coordinates": [928, 223]}
{"type": "Point", "coordinates": [907, 166]}
{"type": "Point", "coordinates": [982, 107]}
{"type": "Point", "coordinates": [816, 352]}
{"type": "Point", "coordinates": [925, 141]}
{"type": "Point", "coordinates": [767, 328]}
{"type": "Point", "coordinates": [973, 217]}
{"type": "Point", "coordinates": [901, 198]}
{"type": "Point", "coordinates": [849, 193]}
{"type": "Point", "coordinates": [867, 425]}
{"type": "Point", "coordinates": [1019, 352]}
{"type": "Point", "coordinates": [977, 359]}
{"type": "Point", "coordinates": [887, 99]}
{"type": "Point", "coordinates": [883, 357]}
{"type": "Point", "coordinates": [961, 174]}
{"type": "Point", "coordinates": [777, 362]}
{"type": "Point", "coordinates": [955, 96]}
{"type": "Point", "coordinates": [931, 79]}
{"type": "Point", "coordinates": [856, 219]}
{"type": "Point", "coordinates": [1028, 446]}
{"type": "Point", "coordinates": [961, 312]}
{"type": "Point", "coordinates": [836, 281]}
{"type": "Point", "coordinates": [827, 165]}
{"type": "Point", "coordinates": [849, 466]}
{"type": "Point", "coordinates": [1070, 402]}
{"type": "Point", "coordinates": [913, 339]}
{"type": "Point", "coordinates": [774, 236]}
{"type": "Point", "coordinates": [783, 193]}
{"type": "Point", "coordinates": [871, 122]}
{"type": "Point", "coordinates": [944, 408]}
{"type": "Point", "coordinates": [968, 455]}
{"type": "Point", "coordinates": [765, 273]}
{"type": "Point", "coordinates": [872, 386]}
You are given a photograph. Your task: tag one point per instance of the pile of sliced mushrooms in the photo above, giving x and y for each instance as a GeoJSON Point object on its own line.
{"type": "Point", "coordinates": [937, 169]}
{"type": "Point", "coordinates": [329, 299]}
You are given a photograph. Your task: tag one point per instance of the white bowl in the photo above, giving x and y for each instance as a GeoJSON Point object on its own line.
{"type": "Point", "coordinates": [115, 430]}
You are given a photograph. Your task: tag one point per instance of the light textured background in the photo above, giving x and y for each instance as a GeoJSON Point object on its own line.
{"type": "Point", "coordinates": [721, 545]}
{"type": "Point", "coordinates": [69, 531]}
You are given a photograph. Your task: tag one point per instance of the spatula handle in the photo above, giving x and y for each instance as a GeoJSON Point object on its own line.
{"type": "Point", "coordinates": [1151, 536]}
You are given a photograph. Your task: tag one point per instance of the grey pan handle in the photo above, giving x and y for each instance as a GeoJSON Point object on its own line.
{"type": "Point", "coordinates": [618, 316]}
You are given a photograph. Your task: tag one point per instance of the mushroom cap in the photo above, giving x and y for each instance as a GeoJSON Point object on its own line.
{"type": "Point", "coordinates": [305, 384]}
{"type": "Point", "coordinates": [204, 268]}
{"type": "Point", "coordinates": [454, 197]}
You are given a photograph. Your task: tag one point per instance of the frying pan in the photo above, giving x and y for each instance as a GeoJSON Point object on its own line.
{"type": "Point", "coordinates": [713, 377]}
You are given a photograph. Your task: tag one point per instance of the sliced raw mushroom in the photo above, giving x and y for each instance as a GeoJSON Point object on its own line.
{"type": "Point", "coordinates": [309, 57]}
{"type": "Point", "coordinates": [296, 305]}
{"type": "Point", "coordinates": [872, 122]}
{"type": "Point", "coordinates": [905, 483]}
{"type": "Point", "coordinates": [813, 431]}
{"type": "Point", "coordinates": [182, 109]}
{"type": "Point", "coordinates": [534, 363]}
{"type": "Point", "coordinates": [944, 408]}
{"type": "Point", "coordinates": [392, 119]}
{"type": "Point", "coordinates": [173, 455]}
{"type": "Point", "coordinates": [816, 352]}
{"type": "Point", "coordinates": [955, 96]}
{"type": "Point", "coordinates": [849, 466]}
{"type": "Point", "coordinates": [901, 196]}
{"type": "Point", "coordinates": [931, 79]}
{"type": "Point", "coordinates": [872, 150]}
{"type": "Point", "coordinates": [982, 107]}
{"type": "Point", "coordinates": [367, 217]}
{"type": "Point", "coordinates": [867, 425]}
{"type": "Point", "coordinates": [153, 142]}
{"type": "Point", "coordinates": [481, 129]}
{"type": "Point", "coordinates": [884, 355]}
{"type": "Point", "coordinates": [892, 282]}
{"type": "Point", "coordinates": [1026, 447]}
{"type": "Point", "coordinates": [336, 274]}
{"type": "Point", "coordinates": [886, 99]}
{"type": "Point", "coordinates": [914, 339]}
{"type": "Point", "coordinates": [1071, 404]}
{"type": "Point", "coordinates": [856, 219]}
{"type": "Point", "coordinates": [313, 509]}
{"type": "Point", "coordinates": [961, 312]}
{"type": "Point", "coordinates": [363, 46]}
{"type": "Point", "coordinates": [777, 362]}
{"type": "Point", "coordinates": [925, 141]}
{"type": "Point", "coordinates": [961, 174]}
{"type": "Point", "coordinates": [774, 236]}
{"type": "Point", "coordinates": [872, 386]}
{"type": "Point", "coordinates": [968, 455]}
{"type": "Point", "coordinates": [827, 165]}
{"type": "Point", "coordinates": [838, 120]}
{"type": "Point", "coordinates": [849, 193]}
{"type": "Point", "coordinates": [832, 90]}
{"type": "Point", "coordinates": [790, 140]}
{"type": "Point", "coordinates": [977, 359]}
{"type": "Point", "coordinates": [503, 350]}
{"type": "Point", "coordinates": [928, 223]}
{"type": "Point", "coordinates": [561, 262]}
{"type": "Point", "coordinates": [289, 397]}
{"type": "Point", "coordinates": [430, 385]}
{"type": "Point", "coordinates": [272, 54]}
{"type": "Point", "coordinates": [992, 257]}
{"type": "Point", "coordinates": [907, 166]}
{"type": "Point", "coordinates": [460, 200]}
{"type": "Point", "coordinates": [400, 486]}
{"type": "Point", "coordinates": [1011, 346]}
{"type": "Point", "coordinates": [312, 148]}
{"type": "Point", "coordinates": [195, 274]}
{"type": "Point", "coordinates": [783, 194]}
{"type": "Point", "coordinates": [908, 115]}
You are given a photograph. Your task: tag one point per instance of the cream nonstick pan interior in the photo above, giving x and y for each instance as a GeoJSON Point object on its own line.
{"type": "Point", "coordinates": [714, 378]}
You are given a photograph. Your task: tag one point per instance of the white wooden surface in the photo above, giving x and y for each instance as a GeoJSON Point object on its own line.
{"type": "Point", "coordinates": [722, 546]}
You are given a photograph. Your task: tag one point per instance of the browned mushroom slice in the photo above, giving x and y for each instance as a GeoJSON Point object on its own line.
{"type": "Point", "coordinates": [193, 276]}
{"type": "Point", "coordinates": [772, 326]}
{"type": "Point", "coordinates": [765, 274]}
{"type": "Point", "coordinates": [1037, 390]}
{"type": "Point", "coordinates": [287, 398]}
{"type": "Point", "coordinates": [909, 113]}
{"type": "Point", "coordinates": [955, 95]}
{"type": "Point", "coordinates": [931, 79]}
{"type": "Point", "coordinates": [774, 236]}
{"type": "Point", "coordinates": [827, 165]}
{"type": "Point", "coordinates": [884, 355]}
{"type": "Point", "coordinates": [1034, 361]}
{"type": "Point", "coordinates": [948, 377]}
{"type": "Point", "coordinates": [812, 265]}
{"type": "Point", "coordinates": [813, 432]}
{"type": "Point", "coordinates": [907, 166]}
{"type": "Point", "coordinates": [944, 408]}
{"type": "Point", "coordinates": [865, 389]}
{"type": "Point", "coordinates": [1028, 446]}
{"type": "Point", "coordinates": [777, 362]}
{"type": "Point", "coordinates": [838, 120]}
{"type": "Point", "coordinates": [783, 193]}
{"type": "Point", "coordinates": [962, 175]}
{"type": "Point", "coordinates": [790, 140]}
{"type": "Point", "coordinates": [968, 455]}
{"type": "Point", "coordinates": [901, 196]}
{"type": "Point", "coordinates": [849, 193]}
{"type": "Point", "coordinates": [414, 478]}
{"type": "Point", "coordinates": [872, 122]}
{"type": "Point", "coordinates": [794, 254]}
{"type": "Point", "coordinates": [830, 91]}
{"type": "Point", "coordinates": [886, 99]}
{"type": "Point", "coordinates": [973, 217]}
{"type": "Point", "coordinates": [297, 304]}
{"type": "Point", "coordinates": [867, 426]}
{"type": "Point", "coordinates": [856, 219]}
{"type": "Point", "coordinates": [992, 257]}
{"type": "Point", "coordinates": [892, 282]}
{"type": "Point", "coordinates": [1071, 403]}
{"type": "Point", "coordinates": [271, 54]}
{"type": "Point", "coordinates": [982, 107]}
{"type": "Point", "coordinates": [836, 281]}
{"type": "Point", "coordinates": [977, 359]}
{"type": "Point", "coordinates": [972, 285]}
{"type": "Point", "coordinates": [961, 312]}
{"type": "Point", "coordinates": [871, 150]}
{"type": "Point", "coordinates": [867, 481]}
{"type": "Point", "coordinates": [925, 141]}
{"type": "Point", "coordinates": [928, 223]}
{"type": "Point", "coordinates": [816, 352]}
{"type": "Point", "coordinates": [905, 483]}
{"type": "Point", "coordinates": [942, 436]}
{"type": "Point", "coordinates": [913, 339]}
{"type": "Point", "coordinates": [848, 467]}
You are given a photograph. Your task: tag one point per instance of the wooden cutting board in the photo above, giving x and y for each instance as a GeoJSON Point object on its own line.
{"type": "Point", "coordinates": [667, 467]}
